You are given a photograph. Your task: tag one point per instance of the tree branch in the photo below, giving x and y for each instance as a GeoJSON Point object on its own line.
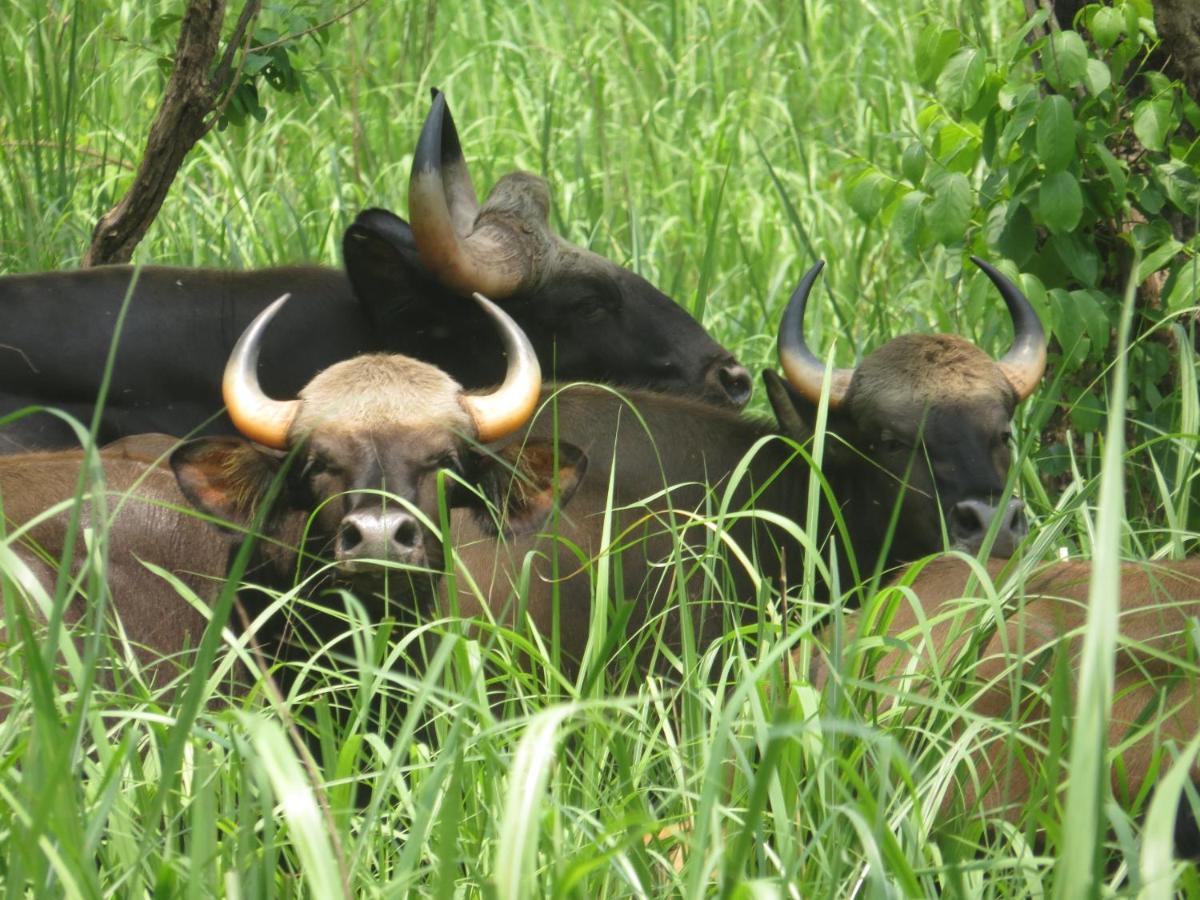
{"type": "Point", "coordinates": [1178, 24]}
{"type": "Point", "coordinates": [177, 126]}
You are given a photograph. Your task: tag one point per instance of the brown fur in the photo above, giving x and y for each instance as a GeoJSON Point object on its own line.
{"type": "Point", "coordinates": [141, 529]}
{"type": "Point", "coordinates": [1155, 666]}
{"type": "Point", "coordinates": [913, 371]}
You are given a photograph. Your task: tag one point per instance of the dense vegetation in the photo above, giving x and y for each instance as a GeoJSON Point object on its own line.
{"type": "Point", "coordinates": [717, 148]}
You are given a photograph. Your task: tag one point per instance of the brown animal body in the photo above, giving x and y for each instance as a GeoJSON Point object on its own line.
{"type": "Point", "coordinates": [138, 508]}
{"type": "Point", "coordinates": [1005, 668]}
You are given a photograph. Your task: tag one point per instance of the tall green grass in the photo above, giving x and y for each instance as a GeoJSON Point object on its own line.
{"type": "Point", "coordinates": [701, 144]}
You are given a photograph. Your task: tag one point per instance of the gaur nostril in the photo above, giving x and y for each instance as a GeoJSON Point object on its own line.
{"type": "Point", "coordinates": [736, 381]}
{"type": "Point", "coordinates": [349, 537]}
{"type": "Point", "coordinates": [1014, 518]}
{"type": "Point", "coordinates": [407, 535]}
{"type": "Point", "coordinates": [965, 520]}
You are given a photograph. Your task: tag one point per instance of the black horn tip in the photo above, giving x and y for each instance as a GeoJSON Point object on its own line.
{"type": "Point", "coordinates": [986, 266]}
{"type": "Point", "coordinates": [791, 327]}
{"type": "Point", "coordinates": [434, 93]}
{"type": "Point", "coordinates": [800, 295]}
{"type": "Point", "coordinates": [428, 154]}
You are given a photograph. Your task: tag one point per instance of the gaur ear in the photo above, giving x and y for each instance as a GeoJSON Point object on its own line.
{"type": "Point", "coordinates": [225, 477]}
{"type": "Point", "coordinates": [386, 273]}
{"type": "Point", "coordinates": [797, 416]}
{"type": "Point", "coordinates": [520, 481]}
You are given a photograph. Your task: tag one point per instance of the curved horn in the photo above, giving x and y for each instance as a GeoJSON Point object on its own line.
{"type": "Point", "coordinates": [1025, 361]}
{"type": "Point", "coordinates": [509, 406]}
{"type": "Point", "coordinates": [442, 208]}
{"type": "Point", "coordinates": [804, 371]}
{"type": "Point", "coordinates": [255, 414]}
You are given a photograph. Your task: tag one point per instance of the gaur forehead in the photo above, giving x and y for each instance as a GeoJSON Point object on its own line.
{"type": "Point", "coordinates": [918, 371]}
{"type": "Point", "coordinates": [381, 392]}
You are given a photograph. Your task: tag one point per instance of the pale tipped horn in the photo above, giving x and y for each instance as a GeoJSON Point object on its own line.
{"type": "Point", "coordinates": [1025, 362]}
{"type": "Point", "coordinates": [254, 414]}
{"type": "Point", "coordinates": [442, 209]}
{"type": "Point", "coordinates": [804, 371]}
{"type": "Point", "coordinates": [508, 407]}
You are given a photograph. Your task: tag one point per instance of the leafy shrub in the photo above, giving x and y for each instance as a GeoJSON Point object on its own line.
{"type": "Point", "coordinates": [1065, 157]}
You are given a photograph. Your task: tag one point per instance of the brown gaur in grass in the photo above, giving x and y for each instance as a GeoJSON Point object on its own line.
{"type": "Point", "coordinates": [366, 430]}
{"type": "Point", "coordinates": [920, 429]}
{"type": "Point", "coordinates": [1002, 669]}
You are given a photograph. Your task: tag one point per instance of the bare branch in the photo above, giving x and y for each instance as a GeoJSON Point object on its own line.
{"type": "Point", "coordinates": [177, 126]}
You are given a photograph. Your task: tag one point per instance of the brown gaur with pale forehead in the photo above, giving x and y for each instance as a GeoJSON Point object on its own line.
{"type": "Point", "coordinates": [370, 436]}
{"type": "Point", "coordinates": [920, 429]}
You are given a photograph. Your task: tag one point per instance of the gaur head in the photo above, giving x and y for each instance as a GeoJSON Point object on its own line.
{"type": "Point", "coordinates": [925, 416]}
{"type": "Point", "coordinates": [367, 431]}
{"type": "Point", "coordinates": [587, 318]}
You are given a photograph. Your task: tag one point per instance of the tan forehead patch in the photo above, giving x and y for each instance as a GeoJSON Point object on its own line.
{"type": "Point", "coordinates": [923, 369]}
{"type": "Point", "coordinates": [377, 391]}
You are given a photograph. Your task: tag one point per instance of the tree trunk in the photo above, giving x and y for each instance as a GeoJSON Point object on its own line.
{"type": "Point", "coordinates": [1178, 23]}
{"type": "Point", "coordinates": [184, 116]}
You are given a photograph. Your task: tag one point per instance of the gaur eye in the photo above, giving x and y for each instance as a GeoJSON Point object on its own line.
{"type": "Point", "coordinates": [448, 460]}
{"type": "Point", "coordinates": [891, 444]}
{"type": "Point", "coordinates": [593, 309]}
{"type": "Point", "coordinates": [1006, 436]}
{"type": "Point", "coordinates": [319, 465]}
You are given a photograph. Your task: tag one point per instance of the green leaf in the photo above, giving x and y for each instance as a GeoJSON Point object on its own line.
{"type": "Point", "coordinates": [957, 146]}
{"type": "Point", "coordinates": [962, 79]}
{"type": "Point", "coordinates": [908, 220]}
{"type": "Point", "coordinates": [1079, 257]}
{"type": "Point", "coordinates": [1097, 78]}
{"type": "Point", "coordinates": [1090, 307]}
{"type": "Point", "coordinates": [950, 212]}
{"type": "Point", "coordinates": [912, 163]}
{"type": "Point", "coordinates": [1151, 122]}
{"type": "Point", "coordinates": [1018, 239]}
{"type": "Point", "coordinates": [868, 193]}
{"type": "Point", "coordinates": [1055, 133]}
{"type": "Point", "coordinates": [1060, 202]}
{"type": "Point", "coordinates": [1112, 169]}
{"type": "Point", "coordinates": [255, 63]}
{"type": "Point", "coordinates": [1065, 61]}
{"type": "Point", "coordinates": [1087, 412]}
{"type": "Point", "coordinates": [1178, 181]}
{"type": "Point", "coordinates": [934, 47]}
{"type": "Point", "coordinates": [1156, 260]}
{"type": "Point", "coordinates": [1149, 198]}
{"type": "Point", "coordinates": [1107, 26]}
{"type": "Point", "coordinates": [1069, 328]}
{"type": "Point", "coordinates": [1185, 286]}
{"type": "Point", "coordinates": [1035, 292]}
{"type": "Point", "coordinates": [1022, 117]}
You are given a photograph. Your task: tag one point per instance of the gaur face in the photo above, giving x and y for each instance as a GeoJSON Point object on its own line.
{"type": "Point", "coordinates": [366, 442]}
{"type": "Point", "coordinates": [938, 434]}
{"type": "Point", "coordinates": [923, 422]}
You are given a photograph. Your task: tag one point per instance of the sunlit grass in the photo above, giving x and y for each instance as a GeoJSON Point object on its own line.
{"type": "Point", "coordinates": [702, 145]}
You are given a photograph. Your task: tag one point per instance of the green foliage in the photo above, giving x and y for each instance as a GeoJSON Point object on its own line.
{"type": "Point", "coordinates": [705, 145]}
{"type": "Point", "coordinates": [285, 41]}
{"type": "Point", "coordinates": [1058, 156]}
